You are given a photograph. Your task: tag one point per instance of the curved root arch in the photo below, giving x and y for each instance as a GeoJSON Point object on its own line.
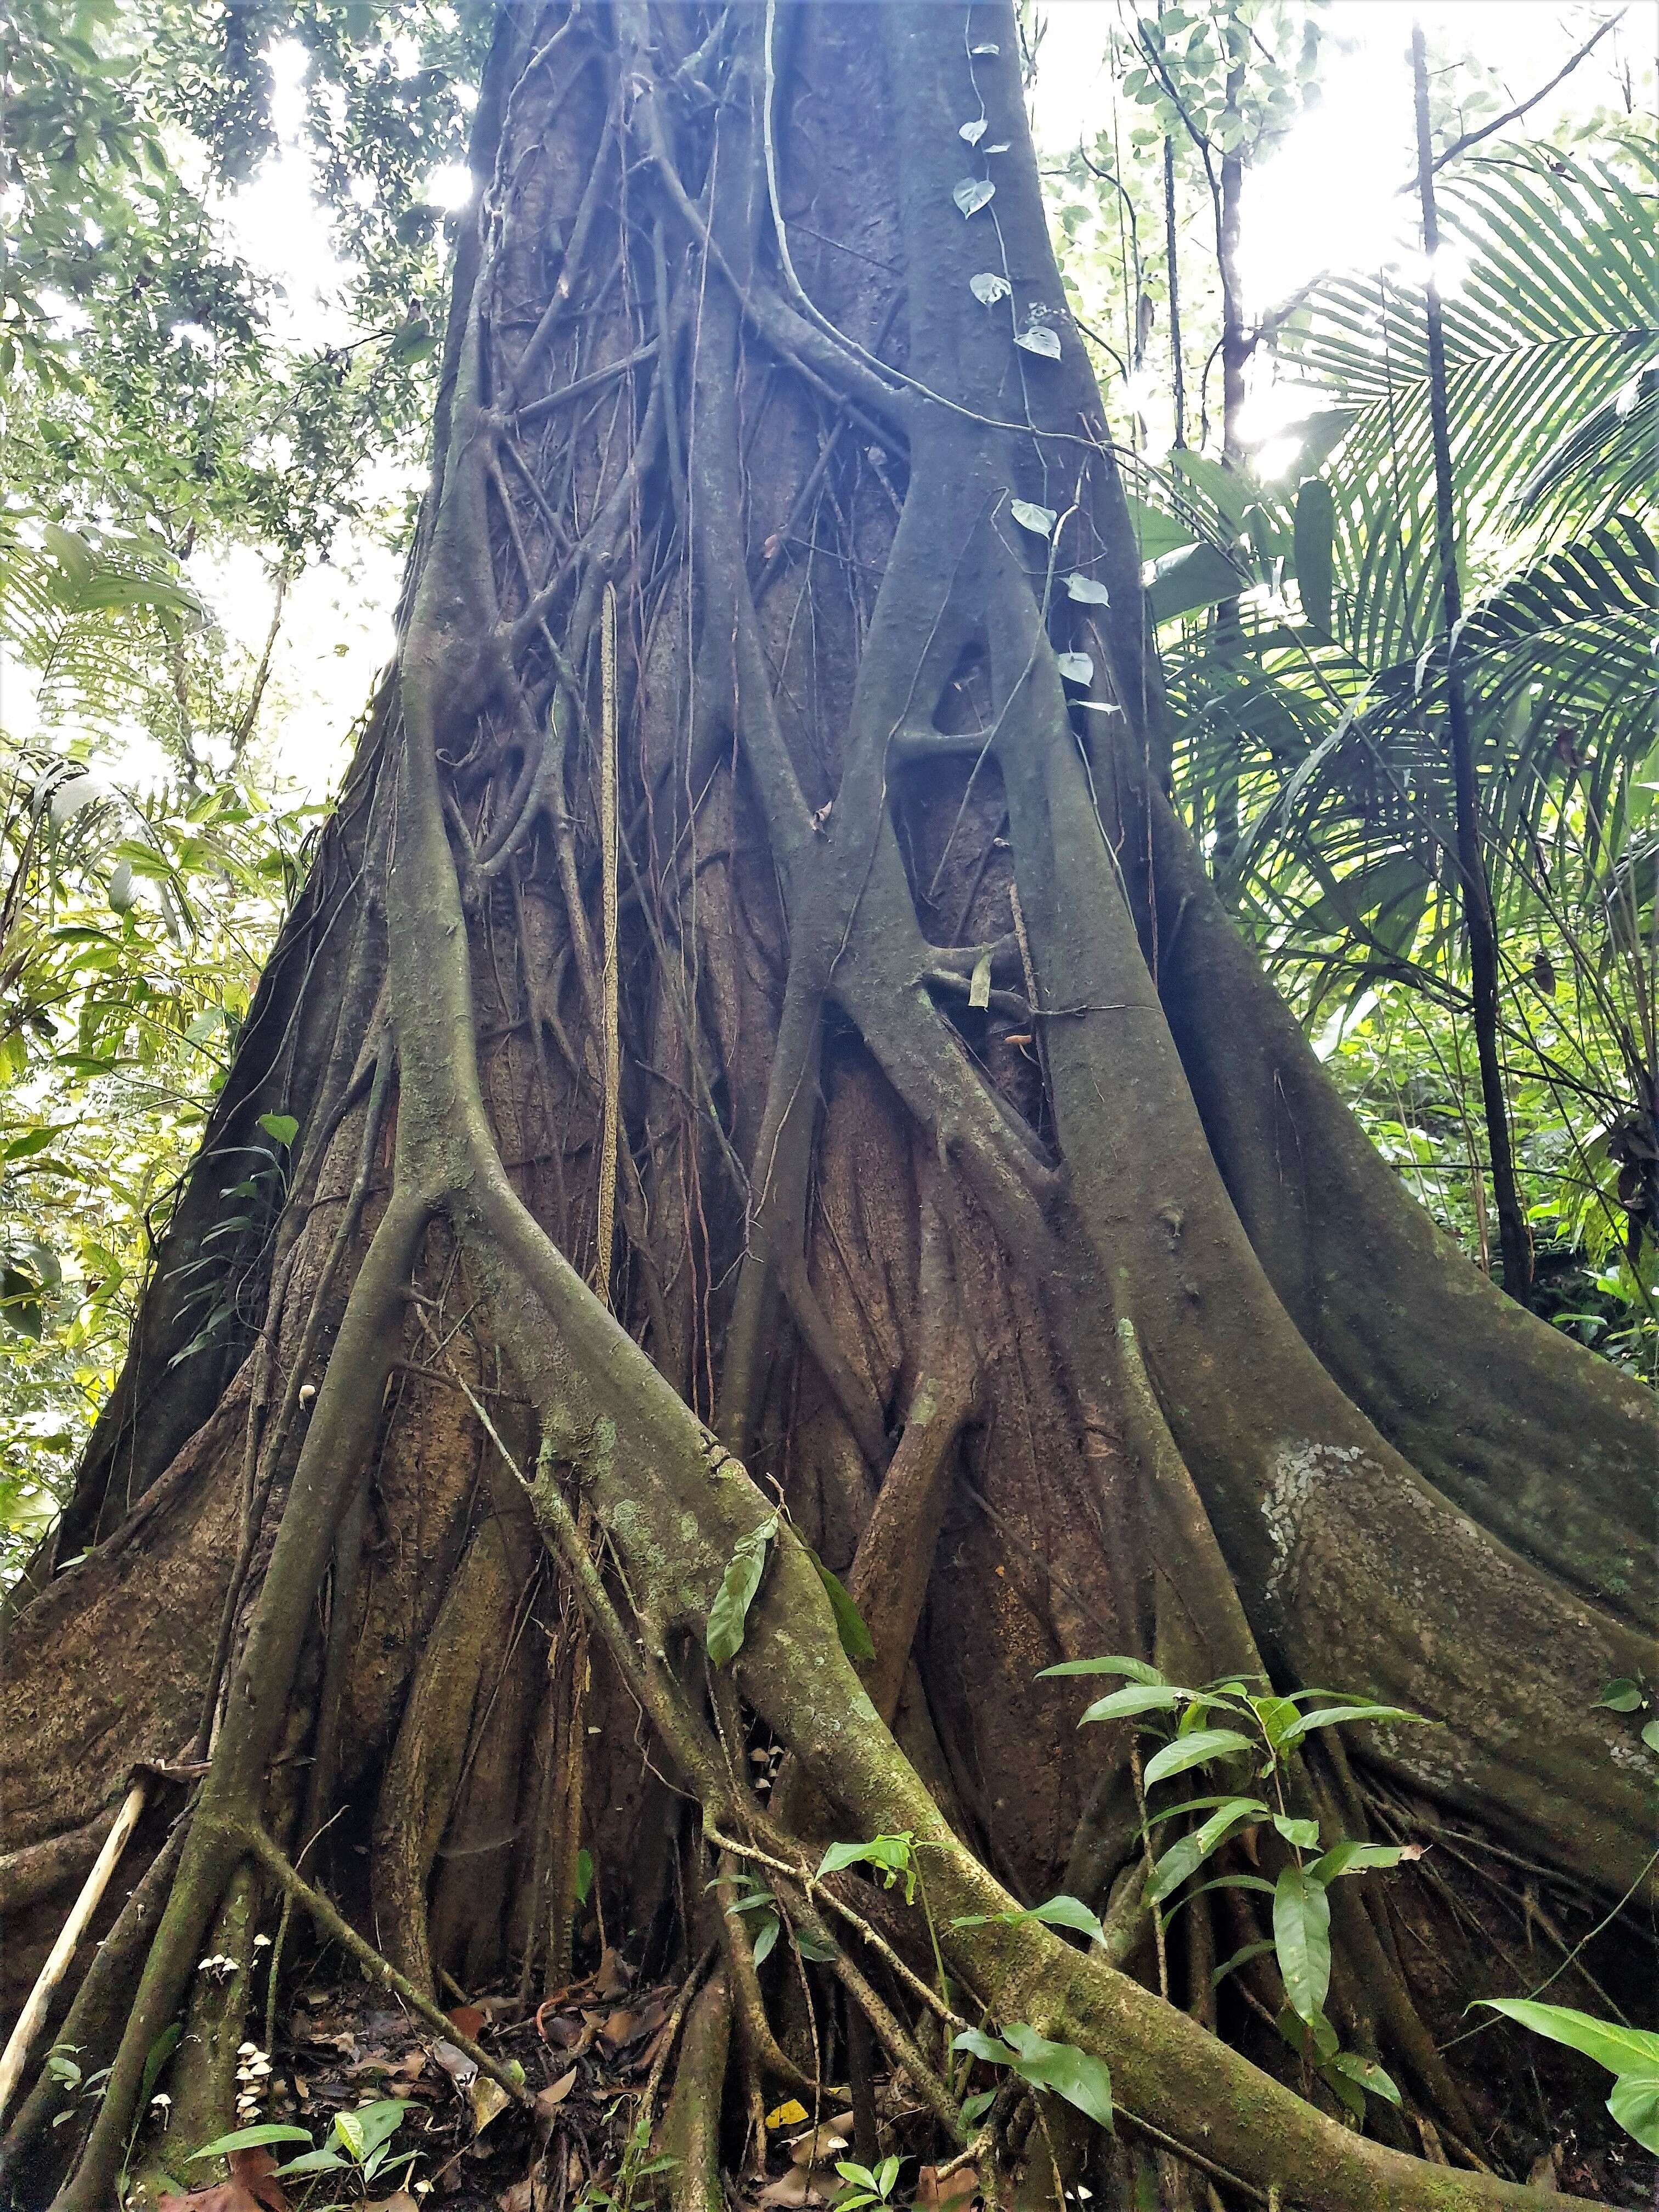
{"type": "Point", "coordinates": [788, 1051]}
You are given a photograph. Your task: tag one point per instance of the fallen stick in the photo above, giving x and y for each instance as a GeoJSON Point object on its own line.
{"type": "Point", "coordinates": [29, 2020]}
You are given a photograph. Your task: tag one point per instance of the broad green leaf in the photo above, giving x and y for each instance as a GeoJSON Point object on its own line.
{"type": "Point", "coordinates": [1076, 667]}
{"type": "Point", "coordinates": [988, 287]}
{"type": "Point", "coordinates": [891, 1855]}
{"type": "Point", "coordinates": [367, 2127]}
{"type": "Point", "coordinates": [1350, 1857]}
{"type": "Point", "coordinates": [981, 2045]}
{"type": "Point", "coordinates": [1196, 577]}
{"type": "Point", "coordinates": [1302, 1937]}
{"type": "Point", "coordinates": [1195, 1750]}
{"type": "Point", "coordinates": [1335, 1716]}
{"type": "Point", "coordinates": [1365, 2074]}
{"type": "Point", "coordinates": [973, 193]}
{"type": "Point", "coordinates": [1188, 1852]}
{"type": "Point", "coordinates": [282, 1128]}
{"type": "Point", "coordinates": [1620, 2050]}
{"type": "Point", "coordinates": [1303, 1834]}
{"type": "Point", "coordinates": [729, 1613]}
{"type": "Point", "coordinates": [1088, 590]}
{"type": "Point", "coordinates": [1054, 1913]}
{"type": "Point", "coordinates": [1621, 1696]}
{"type": "Point", "coordinates": [1081, 2079]}
{"type": "Point", "coordinates": [253, 2138]}
{"type": "Point", "coordinates": [1226, 490]}
{"type": "Point", "coordinates": [1135, 1698]}
{"type": "Point", "coordinates": [1315, 534]}
{"type": "Point", "coordinates": [1635, 2105]}
{"type": "Point", "coordinates": [1275, 1715]}
{"type": "Point", "coordinates": [855, 1640]}
{"type": "Point", "coordinates": [1242, 1957]}
{"type": "Point", "coordinates": [1039, 520]}
{"type": "Point", "coordinates": [1136, 1669]}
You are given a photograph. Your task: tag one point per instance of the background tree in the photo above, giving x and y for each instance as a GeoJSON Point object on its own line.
{"type": "Point", "coordinates": [760, 1084]}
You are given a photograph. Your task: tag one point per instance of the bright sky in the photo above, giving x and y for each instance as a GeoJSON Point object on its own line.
{"type": "Point", "coordinates": [1330, 198]}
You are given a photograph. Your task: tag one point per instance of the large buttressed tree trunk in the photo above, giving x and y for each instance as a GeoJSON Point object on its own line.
{"type": "Point", "coordinates": [759, 1038]}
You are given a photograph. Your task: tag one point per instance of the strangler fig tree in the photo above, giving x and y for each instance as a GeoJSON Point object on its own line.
{"type": "Point", "coordinates": [770, 1089]}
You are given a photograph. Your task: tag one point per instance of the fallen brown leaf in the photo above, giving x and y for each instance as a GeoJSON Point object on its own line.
{"type": "Point", "coordinates": [958, 2188]}
{"type": "Point", "coordinates": [805, 2185]}
{"type": "Point", "coordinates": [612, 1977]}
{"type": "Point", "coordinates": [468, 2018]}
{"type": "Point", "coordinates": [489, 2101]}
{"type": "Point", "coordinates": [252, 2187]}
{"type": "Point", "coordinates": [520, 2199]}
{"type": "Point", "coordinates": [460, 2067]}
{"type": "Point", "coordinates": [549, 2099]}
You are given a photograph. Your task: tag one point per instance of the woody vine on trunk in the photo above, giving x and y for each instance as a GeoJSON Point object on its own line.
{"type": "Point", "coordinates": [771, 1083]}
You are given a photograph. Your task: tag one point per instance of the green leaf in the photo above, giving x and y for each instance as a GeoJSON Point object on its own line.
{"type": "Point", "coordinates": [1635, 2105]}
{"type": "Point", "coordinates": [1621, 1695]}
{"type": "Point", "coordinates": [1136, 1698]}
{"type": "Point", "coordinates": [729, 1613]}
{"type": "Point", "coordinates": [1188, 1852]}
{"type": "Point", "coordinates": [1275, 1715]}
{"type": "Point", "coordinates": [1365, 2073]}
{"type": "Point", "coordinates": [156, 2057]}
{"type": "Point", "coordinates": [1316, 536]}
{"type": "Point", "coordinates": [1349, 1857]}
{"type": "Point", "coordinates": [329, 2160]}
{"type": "Point", "coordinates": [1302, 1937]}
{"type": "Point", "coordinates": [281, 1129]}
{"type": "Point", "coordinates": [1242, 1957]}
{"type": "Point", "coordinates": [254, 2138]}
{"type": "Point", "coordinates": [1195, 1750]}
{"type": "Point", "coordinates": [1196, 577]}
{"type": "Point", "coordinates": [365, 2128]}
{"type": "Point", "coordinates": [891, 1855]}
{"type": "Point", "coordinates": [1088, 590]}
{"type": "Point", "coordinates": [1303, 1834]}
{"type": "Point", "coordinates": [1227, 491]}
{"type": "Point", "coordinates": [1334, 1715]}
{"type": "Point", "coordinates": [1136, 1669]}
{"type": "Point", "coordinates": [1039, 520]}
{"type": "Point", "coordinates": [1081, 2079]}
{"type": "Point", "coordinates": [981, 2045]}
{"type": "Point", "coordinates": [855, 1640]}
{"type": "Point", "coordinates": [1314, 2040]}
{"type": "Point", "coordinates": [1620, 2050]}
{"type": "Point", "coordinates": [1054, 1913]}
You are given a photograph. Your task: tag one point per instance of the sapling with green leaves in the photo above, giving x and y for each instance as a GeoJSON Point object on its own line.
{"type": "Point", "coordinates": [1228, 1724]}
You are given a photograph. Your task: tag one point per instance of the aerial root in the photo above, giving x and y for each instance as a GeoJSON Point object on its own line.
{"type": "Point", "coordinates": [691, 2126]}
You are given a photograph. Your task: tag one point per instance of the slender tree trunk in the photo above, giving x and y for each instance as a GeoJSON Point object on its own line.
{"type": "Point", "coordinates": [984, 1232]}
{"type": "Point", "coordinates": [1177, 366]}
{"type": "Point", "coordinates": [1515, 1243]}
